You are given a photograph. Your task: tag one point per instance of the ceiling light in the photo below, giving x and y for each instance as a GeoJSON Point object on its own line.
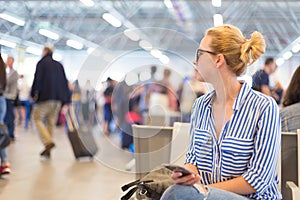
{"type": "Point", "coordinates": [218, 20]}
{"type": "Point", "coordinates": [12, 19]}
{"type": "Point", "coordinates": [145, 45]}
{"type": "Point", "coordinates": [90, 50]}
{"type": "Point", "coordinates": [34, 50]}
{"type": "Point", "coordinates": [287, 55]}
{"type": "Point", "coordinates": [49, 34]}
{"type": "Point", "coordinates": [164, 59]}
{"type": "Point", "coordinates": [74, 44]}
{"type": "Point", "coordinates": [296, 48]}
{"type": "Point", "coordinates": [112, 20]}
{"type": "Point", "coordinates": [279, 61]}
{"type": "Point", "coordinates": [156, 53]}
{"type": "Point", "coordinates": [168, 3]}
{"type": "Point", "coordinates": [8, 44]}
{"type": "Point", "coordinates": [88, 3]}
{"type": "Point", "coordinates": [216, 3]}
{"type": "Point", "coordinates": [131, 35]}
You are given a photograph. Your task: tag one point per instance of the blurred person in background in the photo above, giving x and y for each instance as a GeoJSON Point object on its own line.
{"type": "Point", "coordinates": [11, 94]}
{"type": "Point", "coordinates": [50, 91]}
{"type": "Point", "coordinates": [107, 110]}
{"type": "Point", "coordinates": [24, 96]}
{"type": "Point", "coordinates": [276, 87]}
{"type": "Point", "coordinates": [169, 90]}
{"type": "Point", "coordinates": [190, 89]}
{"type": "Point", "coordinates": [290, 113]}
{"type": "Point", "coordinates": [4, 167]}
{"type": "Point", "coordinates": [163, 97]}
{"type": "Point", "coordinates": [131, 117]}
{"type": "Point", "coordinates": [120, 103]}
{"type": "Point", "coordinates": [146, 92]}
{"type": "Point", "coordinates": [88, 102]}
{"type": "Point", "coordinates": [76, 99]}
{"type": "Point", "coordinates": [261, 78]}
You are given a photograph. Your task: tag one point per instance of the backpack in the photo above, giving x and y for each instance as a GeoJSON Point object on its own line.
{"type": "Point", "coordinates": [151, 186]}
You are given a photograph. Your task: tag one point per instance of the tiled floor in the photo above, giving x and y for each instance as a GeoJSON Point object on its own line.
{"type": "Point", "coordinates": [62, 177]}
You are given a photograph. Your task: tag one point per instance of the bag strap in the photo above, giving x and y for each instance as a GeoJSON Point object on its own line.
{"type": "Point", "coordinates": [129, 194]}
{"type": "Point", "coordinates": [125, 187]}
{"type": "Point", "coordinates": [148, 192]}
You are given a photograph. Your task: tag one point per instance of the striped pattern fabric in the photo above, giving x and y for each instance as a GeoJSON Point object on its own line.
{"type": "Point", "coordinates": [248, 145]}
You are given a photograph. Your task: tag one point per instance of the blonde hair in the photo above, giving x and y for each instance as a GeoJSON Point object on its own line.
{"type": "Point", "coordinates": [237, 50]}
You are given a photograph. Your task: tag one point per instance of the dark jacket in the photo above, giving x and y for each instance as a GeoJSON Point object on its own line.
{"type": "Point", "coordinates": [50, 82]}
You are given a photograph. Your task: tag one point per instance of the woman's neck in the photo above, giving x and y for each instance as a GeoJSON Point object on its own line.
{"type": "Point", "coordinates": [227, 90]}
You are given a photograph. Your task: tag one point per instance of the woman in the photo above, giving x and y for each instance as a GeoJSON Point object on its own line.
{"type": "Point", "coordinates": [4, 167]}
{"type": "Point", "coordinates": [290, 114]}
{"type": "Point", "coordinates": [235, 131]}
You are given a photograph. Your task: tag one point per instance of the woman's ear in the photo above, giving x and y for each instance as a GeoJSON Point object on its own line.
{"type": "Point", "coordinates": [220, 61]}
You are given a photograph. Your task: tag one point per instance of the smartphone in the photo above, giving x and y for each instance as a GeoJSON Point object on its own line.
{"type": "Point", "coordinates": [177, 168]}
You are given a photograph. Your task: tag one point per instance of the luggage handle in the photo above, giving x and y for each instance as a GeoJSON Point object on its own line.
{"type": "Point", "coordinates": [69, 123]}
{"type": "Point", "coordinates": [73, 117]}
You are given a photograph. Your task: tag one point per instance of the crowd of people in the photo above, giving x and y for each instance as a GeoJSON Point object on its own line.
{"type": "Point", "coordinates": [153, 96]}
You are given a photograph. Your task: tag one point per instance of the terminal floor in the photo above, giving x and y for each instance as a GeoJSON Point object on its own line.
{"type": "Point", "coordinates": [62, 177]}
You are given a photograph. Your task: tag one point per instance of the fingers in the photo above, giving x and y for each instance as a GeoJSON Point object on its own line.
{"type": "Point", "coordinates": [176, 175]}
{"type": "Point", "coordinates": [185, 180]}
{"type": "Point", "coordinates": [193, 181]}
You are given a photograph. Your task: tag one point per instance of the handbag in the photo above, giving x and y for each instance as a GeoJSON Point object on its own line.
{"type": "Point", "coordinates": [151, 186]}
{"type": "Point", "coordinates": [4, 137]}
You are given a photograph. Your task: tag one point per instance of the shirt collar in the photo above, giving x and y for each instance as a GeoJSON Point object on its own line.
{"type": "Point", "coordinates": [245, 89]}
{"type": "Point", "coordinates": [241, 97]}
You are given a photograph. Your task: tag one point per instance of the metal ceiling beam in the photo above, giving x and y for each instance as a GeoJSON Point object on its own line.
{"type": "Point", "coordinates": [289, 21]}
{"type": "Point", "coordinates": [294, 18]}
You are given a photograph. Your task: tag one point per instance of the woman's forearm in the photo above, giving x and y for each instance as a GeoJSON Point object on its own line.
{"type": "Point", "coordinates": [237, 185]}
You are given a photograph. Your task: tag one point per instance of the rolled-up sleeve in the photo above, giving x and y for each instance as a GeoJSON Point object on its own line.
{"type": "Point", "coordinates": [263, 164]}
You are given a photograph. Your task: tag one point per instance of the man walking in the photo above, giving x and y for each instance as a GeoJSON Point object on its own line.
{"type": "Point", "coordinates": [10, 96]}
{"type": "Point", "coordinates": [50, 91]}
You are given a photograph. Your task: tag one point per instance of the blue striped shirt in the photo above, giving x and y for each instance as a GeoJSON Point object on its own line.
{"type": "Point", "coordinates": [248, 145]}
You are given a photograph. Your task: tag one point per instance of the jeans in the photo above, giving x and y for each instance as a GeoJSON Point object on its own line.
{"type": "Point", "coordinates": [48, 111]}
{"type": "Point", "coordinates": [10, 118]}
{"type": "Point", "coordinates": [3, 155]}
{"type": "Point", "coordinates": [27, 106]}
{"type": "Point", "coordinates": [183, 192]}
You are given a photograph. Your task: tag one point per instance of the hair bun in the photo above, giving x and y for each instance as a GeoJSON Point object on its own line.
{"type": "Point", "coordinates": [253, 48]}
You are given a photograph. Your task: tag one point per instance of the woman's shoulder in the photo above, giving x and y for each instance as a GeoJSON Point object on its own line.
{"type": "Point", "coordinates": [263, 98]}
{"type": "Point", "coordinates": [205, 98]}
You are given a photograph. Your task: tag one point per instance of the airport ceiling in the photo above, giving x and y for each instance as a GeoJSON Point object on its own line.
{"type": "Point", "coordinates": [278, 20]}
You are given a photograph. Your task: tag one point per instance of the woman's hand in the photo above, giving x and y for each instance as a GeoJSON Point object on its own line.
{"type": "Point", "coordinates": [185, 180]}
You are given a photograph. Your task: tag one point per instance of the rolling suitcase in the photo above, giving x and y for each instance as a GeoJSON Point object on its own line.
{"type": "Point", "coordinates": [82, 140]}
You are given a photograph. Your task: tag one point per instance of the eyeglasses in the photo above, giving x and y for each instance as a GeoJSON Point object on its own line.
{"type": "Point", "coordinates": [199, 52]}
